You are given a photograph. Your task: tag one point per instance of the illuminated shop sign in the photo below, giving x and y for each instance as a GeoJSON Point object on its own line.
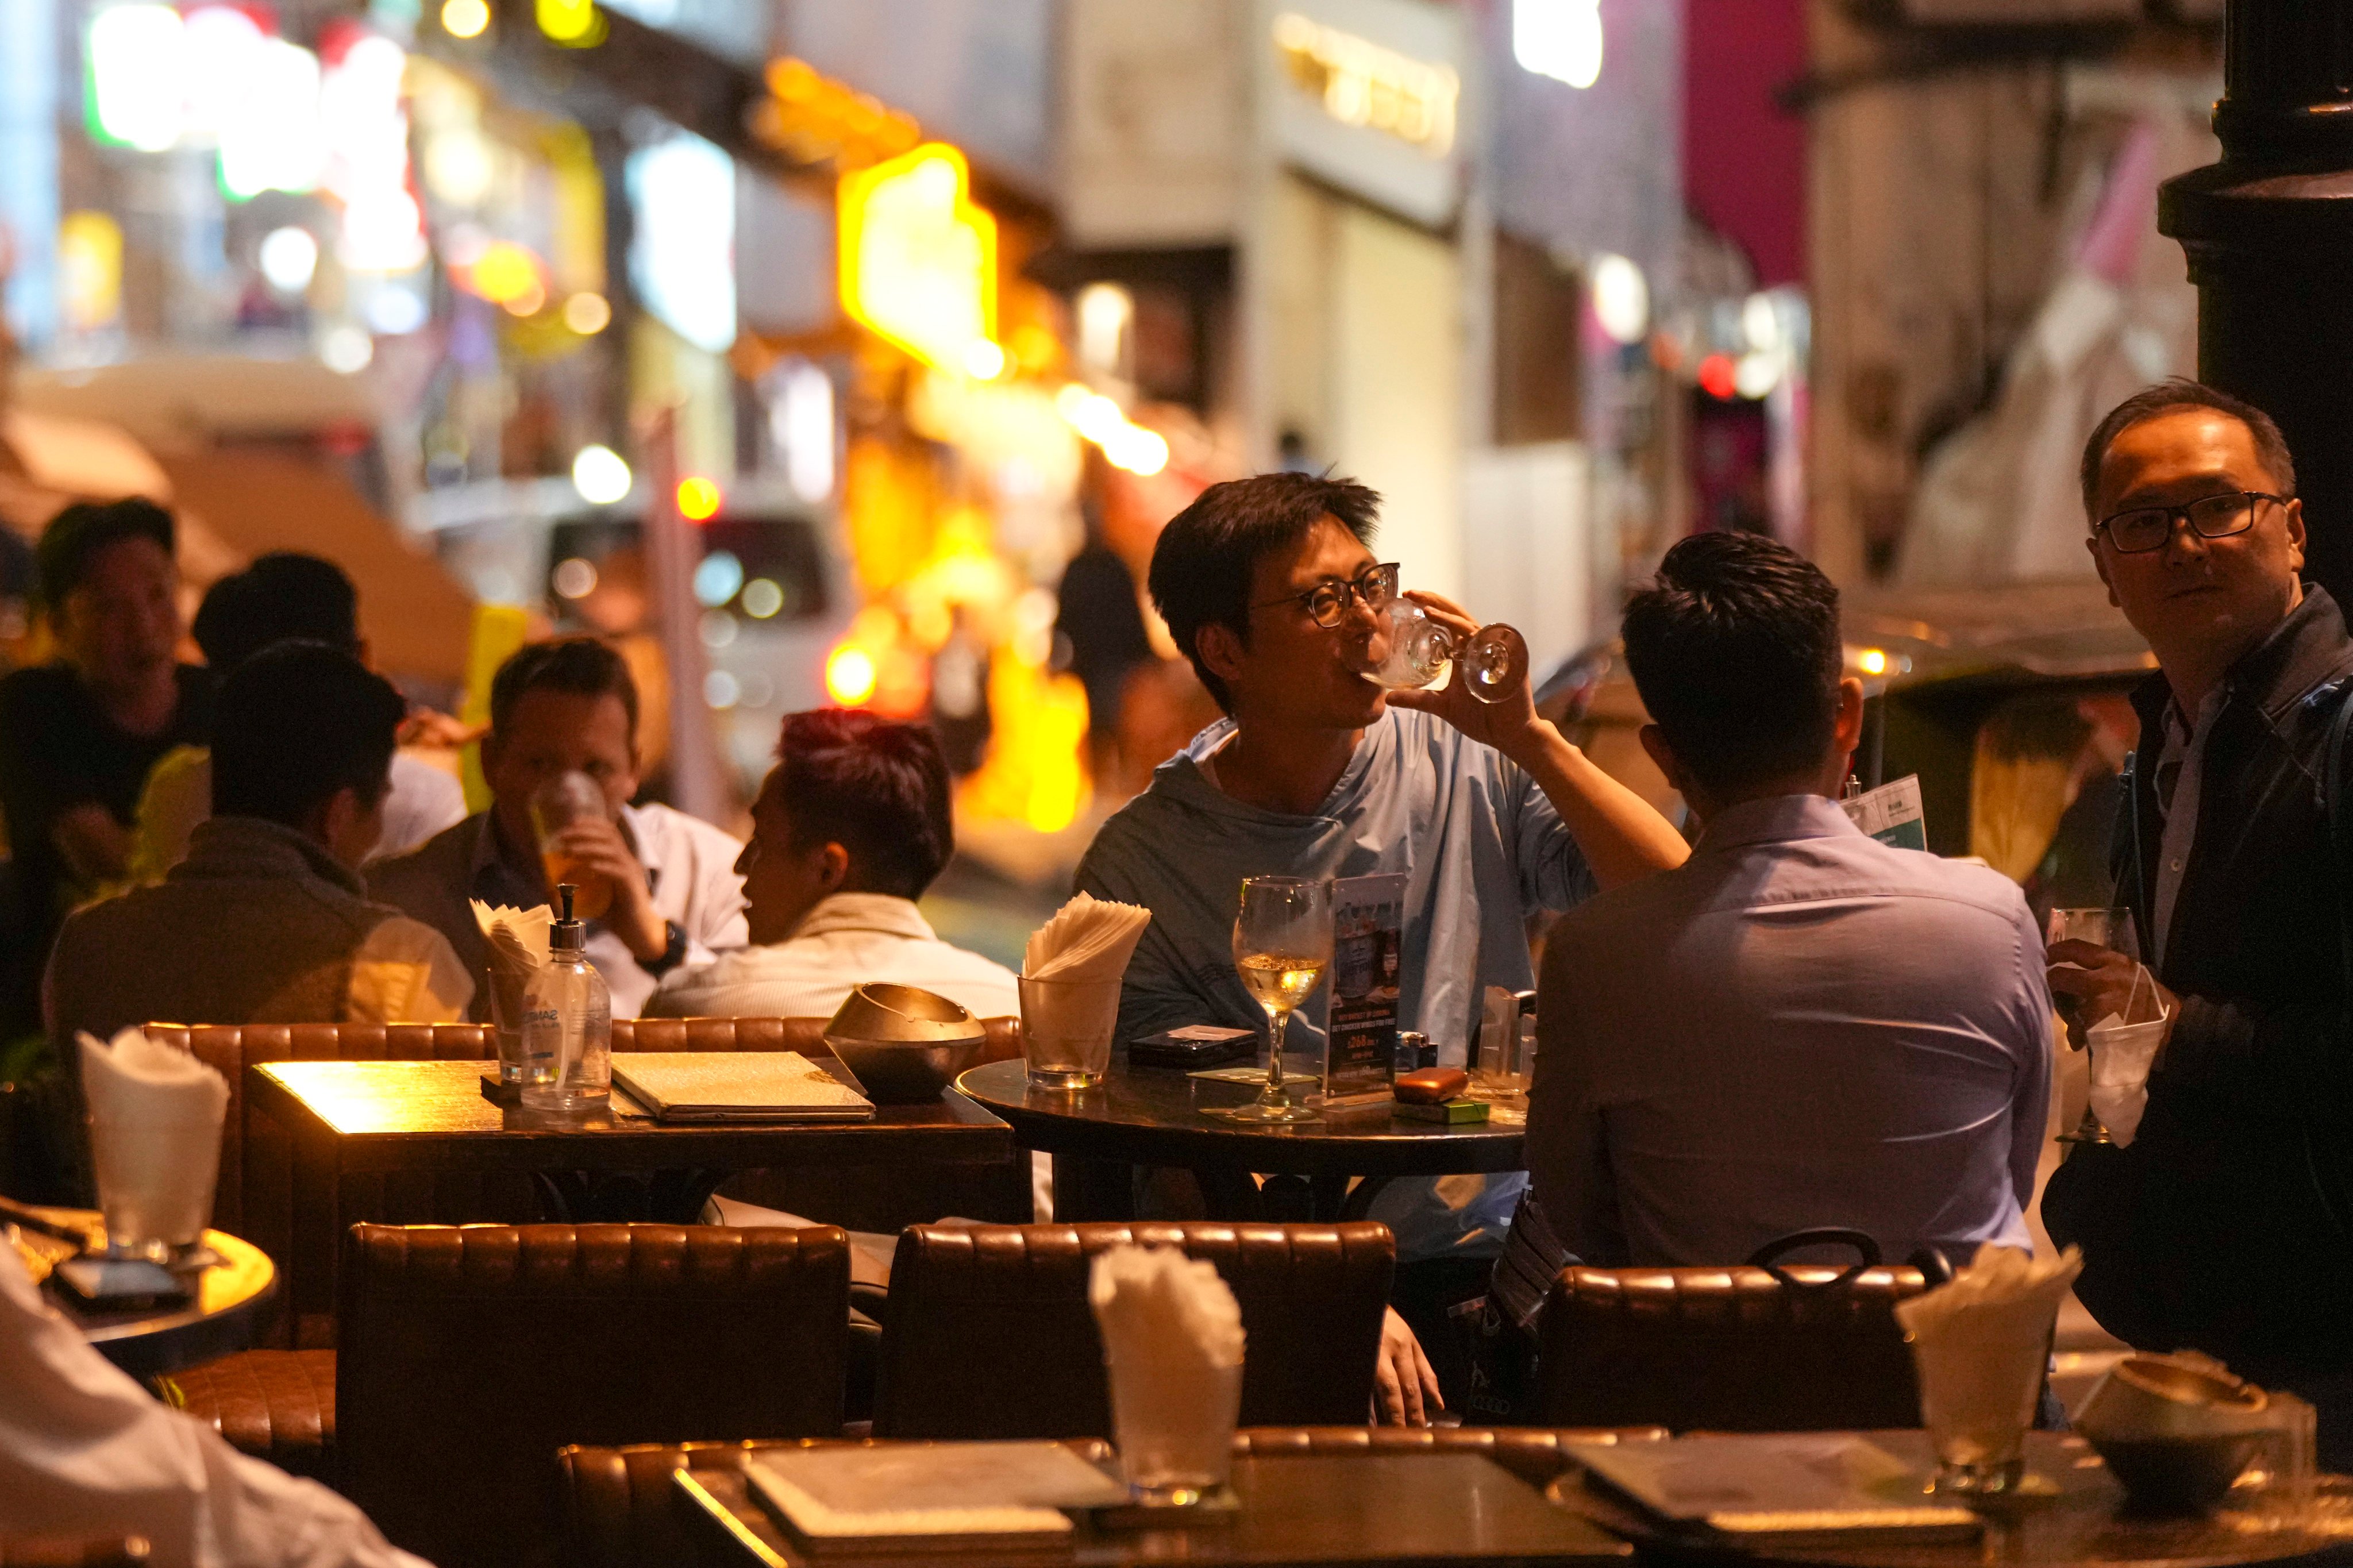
{"type": "Point", "coordinates": [1367, 97]}
{"type": "Point", "coordinates": [1360, 83]}
{"type": "Point", "coordinates": [919, 259]}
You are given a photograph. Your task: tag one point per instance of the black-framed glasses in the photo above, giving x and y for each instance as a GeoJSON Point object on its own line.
{"type": "Point", "coordinates": [1328, 601]}
{"type": "Point", "coordinates": [2141, 529]}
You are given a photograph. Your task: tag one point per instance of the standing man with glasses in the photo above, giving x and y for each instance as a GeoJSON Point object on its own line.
{"type": "Point", "coordinates": [1269, 586]}
{"type": "Point", "coordinates": [2227, 1226]}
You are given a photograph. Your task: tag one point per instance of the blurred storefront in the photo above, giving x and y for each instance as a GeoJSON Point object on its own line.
{"type": "Point", "coordinates": [804, 348]}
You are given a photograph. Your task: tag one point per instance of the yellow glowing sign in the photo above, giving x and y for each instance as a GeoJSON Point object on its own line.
{"type": "Point", "coordinates": [919, 258]}
{"type": "Point", "coordinates": [89, 264]}
{"type": "Point", "coordinates": [576, 24]}
{"type": "Point", "coordinates": [1360, 83]}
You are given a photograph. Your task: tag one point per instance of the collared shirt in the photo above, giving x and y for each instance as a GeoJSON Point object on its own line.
{"type": "Point", "coordinates": [846, 940]}
{"type": "Point", "coordinates": [1482, 850]}
{"type": "Point", "coordinates": [690, 869]}
{"type": "Point", "coordinates": [1798, 1027]}
{"type": "Point", "coordinates": [2180, 764]}
{"type": "Point", "coordinates": [84, 1450]}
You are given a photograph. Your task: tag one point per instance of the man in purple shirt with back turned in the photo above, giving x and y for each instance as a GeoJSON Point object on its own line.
{"type": "Point", "coordinates": [1799, 1026]}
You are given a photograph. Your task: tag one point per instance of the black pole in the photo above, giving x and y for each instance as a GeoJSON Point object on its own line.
{"type": "Point", "coordinates": [2268, 234]}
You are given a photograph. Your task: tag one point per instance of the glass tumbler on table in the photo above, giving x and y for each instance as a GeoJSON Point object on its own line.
{"type": "Point", "coordinates": [1282, 945]}
{"type": "Point", "coordinates": [1066, 1030]}
{"type": "Point", "coordinates": [2111, 929]}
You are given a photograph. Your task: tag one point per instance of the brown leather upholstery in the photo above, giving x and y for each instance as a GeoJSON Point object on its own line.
{"type": "Point", "coordinates": [622, 1510]}
{"type": "Point", "coordinates": [806, 1036]}
{"type": "Point", "coordinates": [883, 1199]}
{"type": "Point", "coordinates": [255, 1197]}
{"type": "Point", "coordinates": [1730, 1350]}
{"type": "Point", "coordinates": [989, 1334]}
{"type": "Point", "coordinates": [74, 1551]}
{"type": "Point", "coordinates": [279, 1406]}
{"type": "Point", "coordinates": [468, 1357]}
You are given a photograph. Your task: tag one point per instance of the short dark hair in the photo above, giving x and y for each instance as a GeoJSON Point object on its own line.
{"type": "Point", "coordinates": [877, 788]}
{"type": "Point", "coordinates": [281, 597]}
{"type": "Point", "coordinates": [1201, 569]}
{"type": "Point", "coordinates": [74, 536]}
{"type": "Point", "coordinates": [581, 666]}
{"type": "Point", "coordinates": [2167, 398]}
{"type": "Point", "coordinates": [1735, 649]}
{"type": "Point", "coordinates": [295, 724]}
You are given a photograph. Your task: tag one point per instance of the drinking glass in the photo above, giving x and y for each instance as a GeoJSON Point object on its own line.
{"type": "Point", "coordinates": [1282, 945]}
{"type": "Point", "coordinates": [1409, 650]}
{"type": "Point", "coordinates": [2111, 929]}
{"type": "Point", "coordinates": [567, 798]}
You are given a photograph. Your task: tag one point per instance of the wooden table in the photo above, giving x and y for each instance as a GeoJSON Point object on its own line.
{"type": "Point", "coordinates": [349, 1118]}
{"type": "Point", "coordinates": [1308, 1510]}
{"type": "Point", "coordinates": [1149, 1116]}
{"type": "Point", "coordinates": [232, 1300]}
{"type": "Point", "coordinates": [2085, 1525]}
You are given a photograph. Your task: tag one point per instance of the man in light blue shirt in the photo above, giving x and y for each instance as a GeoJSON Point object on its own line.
{"type": "Point", "coordinates": [1798, 1027]}
{"type": "Point", "coordinates": [1268, 586]}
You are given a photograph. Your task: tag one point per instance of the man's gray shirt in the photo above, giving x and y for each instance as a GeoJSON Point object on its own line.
{"type": "Point", "coordinates": [1480, 847]}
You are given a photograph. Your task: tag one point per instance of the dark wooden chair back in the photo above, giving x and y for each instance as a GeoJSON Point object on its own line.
{"type": "Point", "coordinates": [1727, 1350]}
{"type": "Point", "coordinates": [989, 1334]}
{"type": "Point", "coordinates": [468, 1357]}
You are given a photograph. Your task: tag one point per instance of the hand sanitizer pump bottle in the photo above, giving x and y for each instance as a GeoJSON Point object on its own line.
{"type": "Point", "coordinates": [568, 1023]}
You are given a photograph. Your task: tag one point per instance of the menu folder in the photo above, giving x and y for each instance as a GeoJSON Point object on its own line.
{"type": "Point", "coordinates": [999, 1497]}
{"type": "Point", "coordinates": [1781, 1489]}
{"type": "Point", "coordinates": [727, 1087]}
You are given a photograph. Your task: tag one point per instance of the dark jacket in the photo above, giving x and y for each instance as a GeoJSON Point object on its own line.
{"type": "Point", "coordinates": [2223, 1227]}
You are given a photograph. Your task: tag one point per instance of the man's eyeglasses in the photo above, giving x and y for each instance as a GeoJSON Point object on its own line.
{"type": "Point", "coordinates": [2146, 528]}
{"type": "Point", "coordinates": [1327, 602]}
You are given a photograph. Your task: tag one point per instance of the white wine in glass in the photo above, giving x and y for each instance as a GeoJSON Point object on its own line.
{"type": "Point", "coordinates": [1410, 650]}
{"type": "Point", "coordinates": [1282, 945]}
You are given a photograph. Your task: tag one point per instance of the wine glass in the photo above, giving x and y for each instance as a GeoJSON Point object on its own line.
{"type": "Point", "coordinates": [2111, 929]}
{"type": "Point", "coordinates": [1408, 650]}
{"type": "Point", "coordinates": [1282, 945]}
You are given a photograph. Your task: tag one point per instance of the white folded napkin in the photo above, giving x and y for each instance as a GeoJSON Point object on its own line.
{"type": "Point", "coordinates": [1980, 1344]}
{"type": "Point", "coordinates": [1087, 939]}
{"type": "Point", "coordinates": [517, 938]}
{"type": "Point", "coordinates": [155, 1117]}
{"type": "Point", "coordinates": [2121, 1055]}
{"type": "Point", "coordinates": [134, 1078]}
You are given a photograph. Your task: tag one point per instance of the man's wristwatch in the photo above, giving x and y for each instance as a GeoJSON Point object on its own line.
{"type": "Point", "coordinates": [671, 955]}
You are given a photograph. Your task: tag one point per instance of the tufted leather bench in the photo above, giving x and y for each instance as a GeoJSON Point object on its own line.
{"type": "Point", "coordinates": [622, 1510]}
{"type": "Point", "coordinates": [468, 1357]}
{"type": "Point", "coordinates": [1312, 1298]}
{"type": "Point", "coordinates": [1728, 1349]}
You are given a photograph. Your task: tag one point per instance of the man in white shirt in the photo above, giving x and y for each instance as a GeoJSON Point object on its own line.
{"type": "Point", "coordinates": [852, 826]}
{"type": "Point", "coordinates": [86, 1451]}
{"type": "Point", "coordinates": [570, 706]}
{"type": "Point", "coordinates": [266, 921]}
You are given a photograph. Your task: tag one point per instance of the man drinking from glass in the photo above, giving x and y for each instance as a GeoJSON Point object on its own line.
{"type": "Point", "coordinates": [2223, 1226]}
{"type": "Point", "coordinates": [1270, 587]}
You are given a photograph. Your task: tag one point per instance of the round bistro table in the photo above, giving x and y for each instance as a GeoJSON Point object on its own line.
{"type": "Point", "coordinates": [235, 1286]}
{"type": "Point", "coordinates": [1326, 1170]}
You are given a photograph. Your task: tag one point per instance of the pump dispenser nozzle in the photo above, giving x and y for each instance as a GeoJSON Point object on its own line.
{"type": "Point", "coordinates": [567, 935]}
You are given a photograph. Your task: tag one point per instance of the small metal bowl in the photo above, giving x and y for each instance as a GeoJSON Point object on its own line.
{"type": "Point", "coordinates": [2177, 1475]}
{"type": "Point", "coordinates": [903, 1045]}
